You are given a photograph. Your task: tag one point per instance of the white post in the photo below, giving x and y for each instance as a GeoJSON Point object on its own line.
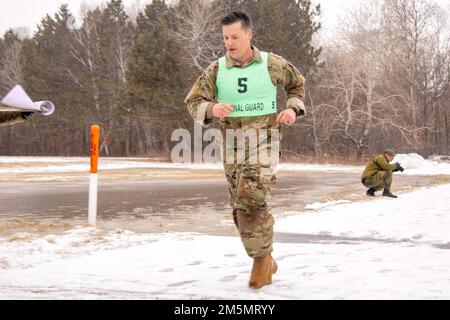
{"type": "Point", "coordinates": [93, 185]}
{"type": "Point", "coordinates": [93, 179]}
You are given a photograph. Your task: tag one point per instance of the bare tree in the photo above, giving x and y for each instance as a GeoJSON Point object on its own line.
{"type": "Point", "coordinates": [420, 55]}
{"type": "Point", "coordinates": [84, 50]}
{"type": "Point", "coordinates": [10, 62]}
{"type": "Point", "coordinates": [196, 27]}
{"type": "Point", "coordinates": [362, 110]}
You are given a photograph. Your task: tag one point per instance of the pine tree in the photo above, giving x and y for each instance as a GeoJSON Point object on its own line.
{"type": "Point", "coordinates": [46, 77]}
{"type": "Point", "coordinates": [155, 81]}
{"type": "Point", "coordinates": [287, 27]}
{"type": "Point", "coordinates": [115, 39]}
{"type": "Point", "coordinates": [10, 62]}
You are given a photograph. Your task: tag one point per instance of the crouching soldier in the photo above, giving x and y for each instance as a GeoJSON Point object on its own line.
{"type": "Point", "coordinates": [378, 174]}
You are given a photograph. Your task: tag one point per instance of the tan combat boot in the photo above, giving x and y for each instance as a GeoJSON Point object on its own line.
{"type": "Point", "coordinates": [262, 271]}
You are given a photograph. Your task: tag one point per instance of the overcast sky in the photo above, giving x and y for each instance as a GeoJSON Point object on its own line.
{"type": "Point", "coordinates": [19, 13]}
{"type": "Point", "coordinates": [28, 13]}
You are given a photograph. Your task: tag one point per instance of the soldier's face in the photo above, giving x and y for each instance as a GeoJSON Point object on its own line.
{"type": "Point", "coordinates": [237, 40]}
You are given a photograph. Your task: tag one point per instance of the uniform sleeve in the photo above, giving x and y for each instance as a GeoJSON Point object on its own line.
{"type": "Point", "coordinates": [383, 163]}
{"type": "Point", "coordinates": [201, 98]}
{"type": "Point", "coordinates": [285, 74]}
{"type": "Point", "coordinates": [10, 117]}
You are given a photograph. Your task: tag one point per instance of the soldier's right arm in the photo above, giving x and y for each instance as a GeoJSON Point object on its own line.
{"type": "Point", "coordinates": [10, 117]}
{"type": "Point", "coordinates": [383, 163]}
{"type": "Point", "coordinates": [201, 98]}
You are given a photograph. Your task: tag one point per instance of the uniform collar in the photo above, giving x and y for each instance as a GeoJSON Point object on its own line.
{"type": "Point", "coordinates": [230, 62]}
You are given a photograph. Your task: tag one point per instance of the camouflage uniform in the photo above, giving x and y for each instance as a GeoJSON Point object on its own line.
{"type": "Point", "coordinates": [378, 173]}
{"type": "Point", "coordinates": [9, 116]}
{"type": "Point", "coordinates": [249, 183]}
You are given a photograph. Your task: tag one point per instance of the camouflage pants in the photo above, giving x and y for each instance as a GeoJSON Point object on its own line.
{"type": "Point", "coordinates": [249, 185]}
{"type": "Point", "coordinates": [382, 179]}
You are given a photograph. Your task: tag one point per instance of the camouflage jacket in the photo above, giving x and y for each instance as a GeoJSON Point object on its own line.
{"type": "Point", "coordinates": [203, 94]}
{"type": "Point", "coordinates": [379, 163]}
{"type": "Point", "coordinates": [8, 117]}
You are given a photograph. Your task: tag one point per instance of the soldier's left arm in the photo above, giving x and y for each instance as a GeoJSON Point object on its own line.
{"type": "Point", "coordinates": [10, 117]}
{"type": "Point", "coordinates": [200, 98]}
{"type": "Point", "coordinates": [384, 164]}
{"type": "Point", "coordinates": [283, 73]}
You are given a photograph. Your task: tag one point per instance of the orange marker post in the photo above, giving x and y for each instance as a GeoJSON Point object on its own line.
{"type": "Point", "coordinates": [93, 178]}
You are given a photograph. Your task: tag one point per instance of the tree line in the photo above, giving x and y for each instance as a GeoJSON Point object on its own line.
{"type": "Point", "coordinates": [382, 81]}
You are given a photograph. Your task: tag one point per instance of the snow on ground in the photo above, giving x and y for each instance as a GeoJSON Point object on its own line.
{"type": "Point", "coordinates": [320, 205]}
{"type": "Point", "coordinates": [412, 217]}
{"type": "Point", "coordinates": [413, 163]}
{"type": "Point", "coordinates": [79, 164]}
{"type": "Point", "coordinates": [377, 249]}
{"type": "Point", "coordinates": [36, 164]}
{"type": "Point", "coordinates": [319, 167]}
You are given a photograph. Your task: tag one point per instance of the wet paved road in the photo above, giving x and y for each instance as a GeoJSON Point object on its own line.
{"type": "Point", "coordinates": [166, 206]}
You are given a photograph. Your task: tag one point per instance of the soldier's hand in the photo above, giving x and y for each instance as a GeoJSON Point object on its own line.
{"type": "Point", "coordinates": [287, 116]}
{"type": "Point", "coordinates": [221, 110]}
{"type": "Point", "coordinates": [26, 115]}
{"type": "Point", "coordinates": [398, 167]}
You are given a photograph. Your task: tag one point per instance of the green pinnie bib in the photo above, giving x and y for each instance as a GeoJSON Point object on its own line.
{"type": "Point", "coordinates": [250, 90]}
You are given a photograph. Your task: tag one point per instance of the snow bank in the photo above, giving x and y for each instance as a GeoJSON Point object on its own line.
{"type": "Point", "coordinates": [410, 161]}
{"type": "Point", "coordinates": [415, 164]}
